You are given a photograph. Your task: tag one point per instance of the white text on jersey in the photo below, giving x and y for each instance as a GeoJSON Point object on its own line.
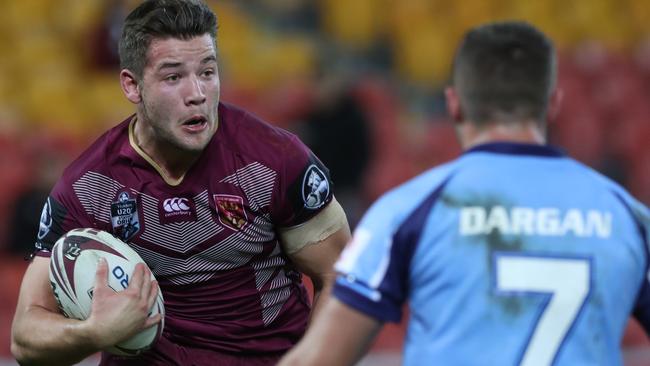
{"type": "Point", "coordinates": [477, 220]}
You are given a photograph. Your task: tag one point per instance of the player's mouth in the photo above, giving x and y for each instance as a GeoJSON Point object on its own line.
{"type": "Point", "coordinates": [196, 123]}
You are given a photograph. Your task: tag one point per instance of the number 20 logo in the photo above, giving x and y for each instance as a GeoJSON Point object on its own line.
{"type": "Point", "coordinates": [566, 280]}
{"type": "Point", "coordinates": [119, 273]}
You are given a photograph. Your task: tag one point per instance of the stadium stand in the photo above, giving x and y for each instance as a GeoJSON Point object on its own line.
{"type": "Point", "coordinates": [49, 83]}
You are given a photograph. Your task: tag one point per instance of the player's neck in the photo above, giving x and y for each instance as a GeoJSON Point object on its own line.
{"type": "Point", "coordinates": [526, 132]}
{"type": "Point", "coordinates": [169, 161]}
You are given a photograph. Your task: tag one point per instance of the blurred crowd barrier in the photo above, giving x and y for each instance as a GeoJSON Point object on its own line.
{"type": "Point", "coordinates": [290, 61]}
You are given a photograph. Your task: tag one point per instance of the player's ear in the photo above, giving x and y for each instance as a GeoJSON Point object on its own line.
{"type": "Point", "coordinates": [129, 84]}
{"type": "Point", "coordinates": [453, 105]}
{"type": "Point", "coordinates": [554, 103]}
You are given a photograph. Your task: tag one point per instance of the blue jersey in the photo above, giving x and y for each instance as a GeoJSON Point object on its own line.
{"type": "Point", "coordinates": [512, 254]}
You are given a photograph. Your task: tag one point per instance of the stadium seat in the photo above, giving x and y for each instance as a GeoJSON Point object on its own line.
{"type": "Point", "coordinates": [16, 168]}
{"type": "Point", "coordinates": [639, 182]}
{"type": "Point", "coordinates": [355, 24]}
{"type": "Point", "coordinates": [578, 132]}
{"type": "Point", "coordinates": [11, 271]}
{"type": "Point", "coordinates": [634, 335]}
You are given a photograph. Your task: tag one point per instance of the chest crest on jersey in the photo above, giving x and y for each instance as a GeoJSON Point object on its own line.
{"type": "Point", "coordinates": [124, 216]}
{"type": "Point", "coordinates": [230, 210]}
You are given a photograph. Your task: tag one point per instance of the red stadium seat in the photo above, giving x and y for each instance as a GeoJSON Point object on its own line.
{"type": "Point", "coordinates": [635, 335]}
{"type": "Point", "coordinates": [11, 271]}
{"type": "Point", "coordinates": [578, 132]}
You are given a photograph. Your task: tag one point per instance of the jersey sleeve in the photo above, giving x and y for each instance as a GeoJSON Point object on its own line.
{"type": "Point", "coordinates": [373, 269]}
{"type": "Point", "coordinates": [642, 306]}
{"type": "Point", "coordinates": [304, 188]}
{"type": "Point", "coordinates": [61, 213]}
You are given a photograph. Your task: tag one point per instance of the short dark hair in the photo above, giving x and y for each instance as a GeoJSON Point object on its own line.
{"type": "Point", "coordinates": [504, 72]}
{"type": "Point", "coordinates": [182, 19]}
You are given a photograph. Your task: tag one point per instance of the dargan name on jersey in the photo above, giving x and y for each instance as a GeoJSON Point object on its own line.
{"type": "Point", "coordinates": [477, 220]}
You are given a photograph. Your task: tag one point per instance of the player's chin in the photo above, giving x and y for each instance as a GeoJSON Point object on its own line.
{"type": "Point", "coordinates": [195, 144]}
{"type": "Point", "coordinates": [195, 140]}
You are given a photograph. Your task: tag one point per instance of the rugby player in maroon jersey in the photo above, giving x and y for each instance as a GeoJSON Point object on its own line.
{"type": "Point", "coordinates": [223, 207]}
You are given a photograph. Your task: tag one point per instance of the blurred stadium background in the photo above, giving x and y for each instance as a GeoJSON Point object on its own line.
{"type": "Point", "coordinates": [360, 80]}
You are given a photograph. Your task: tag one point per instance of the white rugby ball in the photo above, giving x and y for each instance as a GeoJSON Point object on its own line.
{"type": "Point", "coordinates": [72, 275]}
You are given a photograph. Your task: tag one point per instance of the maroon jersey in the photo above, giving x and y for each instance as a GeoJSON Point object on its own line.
{"type": "Point", "coordinates": [211, 239]}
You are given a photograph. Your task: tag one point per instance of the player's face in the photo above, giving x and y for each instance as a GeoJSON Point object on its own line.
{"type": "Point", "coordinates": [180, 92]}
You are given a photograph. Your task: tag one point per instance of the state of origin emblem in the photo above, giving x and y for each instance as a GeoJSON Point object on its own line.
{"type": "Point", "coordinates": [230, 210]}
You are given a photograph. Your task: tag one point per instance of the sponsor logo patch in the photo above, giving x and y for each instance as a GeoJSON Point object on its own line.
{"type": "Point", "coordinates": [230, 210]}
{"type": "Point", "coordinates": [315, 187]}
{"type": "Point", "coordinates": [176, 204]}
{"type": "Point", "coordinates": [177, 209]}
{"type": "Point", "coordinates": [124, 216]}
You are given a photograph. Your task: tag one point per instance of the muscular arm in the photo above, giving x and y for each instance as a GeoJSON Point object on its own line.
{"type": "Point", "coordinates": [40, 335]}
{"type": "Point", "coordinates": [317, 262]}
{"type": "Point", "coordinates": [339, 335]}
{"type": "Point", "coordinates": [316, 245]}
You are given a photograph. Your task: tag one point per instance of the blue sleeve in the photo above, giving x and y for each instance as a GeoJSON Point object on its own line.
{"type": "Point", "coordinates": [374, 270]}
{"type": "Point", "coordinates": [642, 306]}
{"type": "Point", "coordinates": [642, 218]}
{"type": "Point", "coordinates": [362, 269]}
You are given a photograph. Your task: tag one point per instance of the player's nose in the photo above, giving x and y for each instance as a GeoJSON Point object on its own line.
{"type": "Point", "coordinates": [195, 92]}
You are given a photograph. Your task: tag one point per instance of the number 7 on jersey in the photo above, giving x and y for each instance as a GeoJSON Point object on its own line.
{"type": "Point", "coordinates": [566, 280]}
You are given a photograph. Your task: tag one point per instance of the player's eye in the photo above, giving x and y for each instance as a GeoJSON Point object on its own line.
{"type": "Point", "coordinates": [172, 77]}
{"type": "Point", "coordinates": [208, 73]}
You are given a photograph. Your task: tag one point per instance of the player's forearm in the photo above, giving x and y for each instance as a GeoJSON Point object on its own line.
{"type": "Point", "coordinates": [322, 289]}
{"type": "Point", "coordinates": [324, 335]}
{"type": "Point", "coordinates": [41, 337]}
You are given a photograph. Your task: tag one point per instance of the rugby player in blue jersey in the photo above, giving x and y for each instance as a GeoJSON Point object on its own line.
{"type": "Point", "coordinates": [512, 254]}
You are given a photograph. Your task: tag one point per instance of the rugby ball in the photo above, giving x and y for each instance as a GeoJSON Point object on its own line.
{"type": "Point", "coordinates": [72, 276]}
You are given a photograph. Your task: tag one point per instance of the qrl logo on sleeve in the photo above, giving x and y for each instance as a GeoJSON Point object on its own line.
{"type": "Point", "coordinates": [315, 187]}
{"type": "Point", "coordinates": [46, 220]}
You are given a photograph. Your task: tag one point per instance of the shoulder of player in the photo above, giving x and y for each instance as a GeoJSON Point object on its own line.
{"type": "Point", "coordinates": [98, 155]}
{"type": "Point", "coordinates": [605, 182]}
{"type": "Point", "coordinates": [639, 210]}
{"type": "Point", "coordinates": [400, 201]}
{"type": "Point", "coordinates": [249, 135]}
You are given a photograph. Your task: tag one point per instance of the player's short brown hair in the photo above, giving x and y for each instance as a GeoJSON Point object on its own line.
{"type": "Point", "coordinates": [504, 71]}
{"type": "Point", "coordinates": [182, 19]}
